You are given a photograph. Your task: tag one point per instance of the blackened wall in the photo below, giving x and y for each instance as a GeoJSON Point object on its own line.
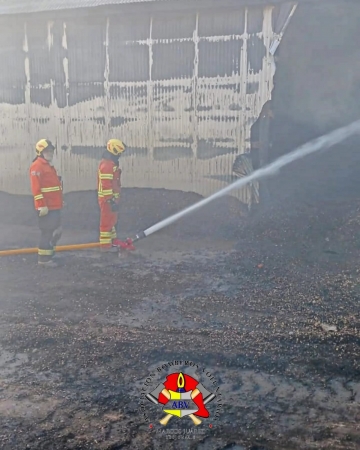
{"type": "Point", "coordinates": [317, 81]}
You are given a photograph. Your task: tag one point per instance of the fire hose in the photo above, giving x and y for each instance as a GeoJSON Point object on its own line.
{"type": "Point", "coordinates": [61, 248]}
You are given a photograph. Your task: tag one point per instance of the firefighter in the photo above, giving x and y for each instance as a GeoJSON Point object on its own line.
{"type": "Point", "coordinates": [109, 185]}
{"type": "Point", "coordinates": [46, 187]}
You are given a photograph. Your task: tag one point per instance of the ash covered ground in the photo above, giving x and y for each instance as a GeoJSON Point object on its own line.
{"type": "Point", "coordinates": [250, 299]}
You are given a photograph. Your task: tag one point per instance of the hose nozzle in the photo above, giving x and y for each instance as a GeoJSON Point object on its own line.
{"type": "Point", "coordinates": [124, 245]}
{"type": "Point", "coordinates": [137, 237]}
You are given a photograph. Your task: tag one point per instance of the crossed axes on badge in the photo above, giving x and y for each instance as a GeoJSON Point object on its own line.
{"type": "Point", "coordinates": [207, 397]}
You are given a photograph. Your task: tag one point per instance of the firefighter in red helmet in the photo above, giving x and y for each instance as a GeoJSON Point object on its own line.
{"type": "Point", "coordinates": [109, 186]}
{"type": "Point", "coordinates": [46, 187]}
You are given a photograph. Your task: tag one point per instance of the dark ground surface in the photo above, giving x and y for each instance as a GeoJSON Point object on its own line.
{"type": "Point", "coordinates": [247, 298]}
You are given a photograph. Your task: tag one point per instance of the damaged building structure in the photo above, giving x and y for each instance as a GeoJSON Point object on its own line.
{"type": "Point", "coordinates": [181, 82]}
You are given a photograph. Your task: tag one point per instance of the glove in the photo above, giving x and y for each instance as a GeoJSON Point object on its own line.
{"type": "Point", "coordinates": [43, 211]}
{"type": "Point", "coordinates": [114, 206]}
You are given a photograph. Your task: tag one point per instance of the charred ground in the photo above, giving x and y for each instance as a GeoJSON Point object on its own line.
{"type": "Point", "coordinates": [247, 298]}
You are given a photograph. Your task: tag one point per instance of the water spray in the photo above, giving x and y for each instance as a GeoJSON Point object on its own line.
{"type": "Point", "coordinates": [323, 142]}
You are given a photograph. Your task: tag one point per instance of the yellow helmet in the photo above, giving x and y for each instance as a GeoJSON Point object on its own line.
{"type": "Point", "coordinates": [115, 147]}
{"type": "Point", "coordinates": [43, 144]}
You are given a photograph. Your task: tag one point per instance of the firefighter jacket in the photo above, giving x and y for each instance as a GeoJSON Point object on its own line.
{"type": "Point", "coordinates": [109, 184]}
{"type": "Point", "coordinates": [46, 185]}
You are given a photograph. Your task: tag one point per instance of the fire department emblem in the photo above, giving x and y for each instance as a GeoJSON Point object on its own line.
{"type": "Point", "coordinates": [181, 396]}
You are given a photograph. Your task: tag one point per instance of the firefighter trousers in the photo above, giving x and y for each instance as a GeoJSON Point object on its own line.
{"type": "Point", "coordinates": [108, 221]}
{"type": "Point", "coordinates": [50, 233]}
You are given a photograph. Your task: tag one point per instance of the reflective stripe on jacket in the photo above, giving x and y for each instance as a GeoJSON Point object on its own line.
{"type": "Point", "coordinates": [108, 179]}
{"type": "Point", "coordinates": [46, 185]}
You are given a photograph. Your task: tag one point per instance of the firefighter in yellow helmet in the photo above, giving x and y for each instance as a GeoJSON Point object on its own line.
{"type": "Point", "coordinates": [46, 187]}
{"type": "Point", "coordinates": [109, 186]}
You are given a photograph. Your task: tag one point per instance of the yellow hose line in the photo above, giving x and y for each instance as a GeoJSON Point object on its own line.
{"type": "Point", "coordinates": [61, 248]}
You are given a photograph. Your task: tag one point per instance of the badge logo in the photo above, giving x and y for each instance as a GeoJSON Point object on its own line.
{"type": "Point", "coordinates": [180, 395]}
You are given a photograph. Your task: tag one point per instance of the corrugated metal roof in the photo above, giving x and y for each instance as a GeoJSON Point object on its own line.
{"type": "Point", "coordinates": [36, 6]}
{"type": "Point", "coordinates": [30, 6]}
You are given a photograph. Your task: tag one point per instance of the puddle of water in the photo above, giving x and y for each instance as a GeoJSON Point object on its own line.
{"type": "Point", "coordinates": [10, 362]}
